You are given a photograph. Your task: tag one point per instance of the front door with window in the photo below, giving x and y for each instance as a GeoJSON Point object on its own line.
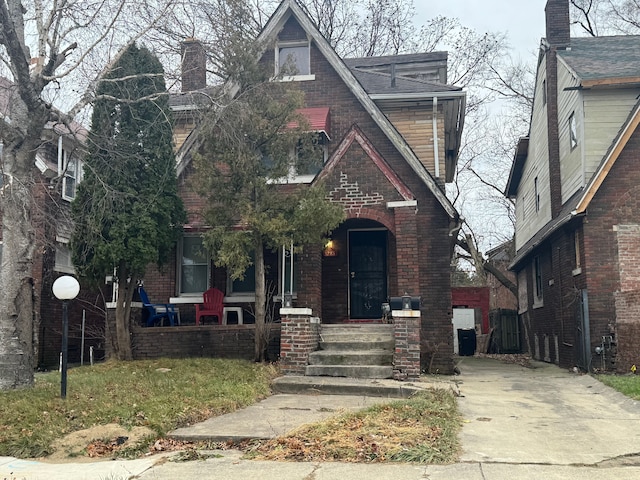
{"type": "Point", "coordinates": [367, 273]}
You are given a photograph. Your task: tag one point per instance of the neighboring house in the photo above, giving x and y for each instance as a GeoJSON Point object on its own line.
{"type": "Point", "coordinates": [57, 172]}
{"type": "Point", "coordinates": [383, 163]}
{"type": "Point", "coordinates": [500, 296]}
{"type": "Point", "coordinates": [576, 183]}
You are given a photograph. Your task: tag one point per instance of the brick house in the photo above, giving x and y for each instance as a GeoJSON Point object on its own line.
{"type": "Point", "coordinates": [383, 163]}
{"type": "Point", "coordinates": [575, 181]}
{"type": "Point", "coordinates": [56, 173]}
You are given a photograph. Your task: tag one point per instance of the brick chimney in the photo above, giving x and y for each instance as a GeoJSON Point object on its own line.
{"type": "Point", "coordinates": [558, 37]}
{"type": "Point", "coordinates": [194, 65]}
{"type": "Point", "coordinates": [558, 24]}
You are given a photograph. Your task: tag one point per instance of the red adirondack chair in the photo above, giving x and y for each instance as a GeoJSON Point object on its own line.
{"type": "Point", "coordinates": [212, 306]}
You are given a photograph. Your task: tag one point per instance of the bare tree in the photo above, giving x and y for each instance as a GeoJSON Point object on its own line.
{"type": "Point", "coordinates": [606, 17]}
{"type": "Point", "coordinates": [45, 47]}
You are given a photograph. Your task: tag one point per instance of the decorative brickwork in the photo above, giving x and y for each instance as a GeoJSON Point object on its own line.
{"type": "Point", "coordinates": [406, 355]}
{"type": "Point", "coordinates": [300, 336]}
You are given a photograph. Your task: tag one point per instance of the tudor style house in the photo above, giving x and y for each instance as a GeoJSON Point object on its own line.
{"type": "Point", "coordinates": [391, 127]}
{"type": "Point", "coordinates": [576, 184]}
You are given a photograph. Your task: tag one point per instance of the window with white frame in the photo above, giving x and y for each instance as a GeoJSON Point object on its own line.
{"type": "Point", "coordinates": [537, 194]}
{"type": "Point", "coordinates": [70, 168]}
{"type": "Point", "coordinates": [311, 156]}
{"type": "Point", "coordinates": [307, 160]}
{"type": "Point", "coordinates": [293, 60]}
{"type": "Point", "coordinates": [288, 272]}
{"type": "Point", "coordinates": [63, 261]}
{"type": "Point", "coordinates": [194, 266]}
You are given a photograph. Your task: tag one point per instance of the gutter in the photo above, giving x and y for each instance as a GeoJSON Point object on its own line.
{"type": "Point", "coordinates": [436, 156]}
{"type": "Point", "coordinates": [417, 96]}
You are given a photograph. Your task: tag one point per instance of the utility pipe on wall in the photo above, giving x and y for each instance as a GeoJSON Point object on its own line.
{"type": "Point", "coordinates": [435, 138]}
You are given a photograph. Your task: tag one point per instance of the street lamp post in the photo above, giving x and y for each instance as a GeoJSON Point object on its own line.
{"type": "Point", "coordinates": [65, 288]}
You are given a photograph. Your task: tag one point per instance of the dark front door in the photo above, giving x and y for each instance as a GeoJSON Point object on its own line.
{"type": "Point", "coordinates": [367, 273]}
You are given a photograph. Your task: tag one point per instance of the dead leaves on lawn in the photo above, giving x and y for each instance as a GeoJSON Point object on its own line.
{"type": "Point", "coordinates": [396, 431]}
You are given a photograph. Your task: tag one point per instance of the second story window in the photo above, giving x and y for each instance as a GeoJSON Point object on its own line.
{"type": "Point", "coordinates": [70, 179]}
{"type": "Point", "coordinates": [573, 131]}
{"type": "Point", "coordinates": [70, 169]}
{"type": "Point", "coordinates": [293, 60]}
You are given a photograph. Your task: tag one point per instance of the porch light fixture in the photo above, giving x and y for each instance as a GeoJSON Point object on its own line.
{"type": "Point", "coordinates": [406, 301]}
{"type": "Point", "coordinates": [65, 288]}
{"type": "Point", "coordinates": [330, 249]}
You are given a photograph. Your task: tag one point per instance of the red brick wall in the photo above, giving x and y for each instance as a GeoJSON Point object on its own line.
{"type": "Point", "coordinates": [406, 355]}
{"type": "Point", "coordinates": [299, 338]}
{"type": "Point", "coordinates": [473, 297]}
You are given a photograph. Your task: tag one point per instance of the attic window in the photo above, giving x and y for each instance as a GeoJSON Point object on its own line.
{"type": "Point", "coordinates": [293, 61]}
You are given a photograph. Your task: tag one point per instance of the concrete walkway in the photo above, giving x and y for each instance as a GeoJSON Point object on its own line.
{"type": "Point", "coordinates": [518, 424]}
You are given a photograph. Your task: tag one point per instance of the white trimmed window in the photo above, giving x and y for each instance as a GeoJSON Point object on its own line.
{"type": "Point", "coordinates": [70, 168]}
{"type": "Point", "coordinates": [63, 261]}
{"type": "Point", "coordinates": [293, 60]}
{"type": "Point", "coordinates": [193, 266]}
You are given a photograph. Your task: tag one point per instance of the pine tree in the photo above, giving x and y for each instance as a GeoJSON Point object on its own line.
{"type": "Point", "coordinates": [254, 141]}
{"type": "Point", "coordinates": [127, 212]}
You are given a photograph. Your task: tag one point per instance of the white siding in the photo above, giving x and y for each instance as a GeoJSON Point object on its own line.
{"type": "Point", "coordinates": [571, 159]}
{"type": "Point", "coordinates": [536, 166]}
{"type": "Point", "coordinates": [606, 110]}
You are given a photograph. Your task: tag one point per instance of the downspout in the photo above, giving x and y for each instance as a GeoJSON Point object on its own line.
{"type": "Point", "coordinates": [435, 138]}
{"type": "Point", "coordinates": [60, 165]}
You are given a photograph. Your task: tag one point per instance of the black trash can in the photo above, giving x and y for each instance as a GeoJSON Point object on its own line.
{"type": "Point", "coordinates": [466, 342]}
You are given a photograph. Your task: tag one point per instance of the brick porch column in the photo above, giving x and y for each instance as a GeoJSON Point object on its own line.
{"type": "Point", "coordinates": [300, 335]}
{"type": "Point", "coordinates": [407, 254]}
{"type": "Point", "coordinates": [406, 356]}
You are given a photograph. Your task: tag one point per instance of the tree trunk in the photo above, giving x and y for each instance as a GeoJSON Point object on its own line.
{"type": "Point", "coordinates": [16, 274]}
{"type": "Point", "coordinates": [122, 340]}
{"type": "Point", "coordinates": [260, 305]}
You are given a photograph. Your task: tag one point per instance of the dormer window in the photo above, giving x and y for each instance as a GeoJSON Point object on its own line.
{"type": "Point", "coordinates": [293, 61]}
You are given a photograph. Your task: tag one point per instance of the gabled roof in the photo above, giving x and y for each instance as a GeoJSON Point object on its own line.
{"type": "Point", "coordinates": [356, 135]}
{"type": "Point", "coordinates": [517, 167]}
{"type": "Point", "coordinates": [290, 8]}
{"type": "Point", "coordinates": [600, 61]}
{"type": "Point", "coordinates": [609, 159]}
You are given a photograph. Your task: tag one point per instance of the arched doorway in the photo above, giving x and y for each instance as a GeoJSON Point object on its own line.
{"type": "Point", "coordinates": [357, 273]}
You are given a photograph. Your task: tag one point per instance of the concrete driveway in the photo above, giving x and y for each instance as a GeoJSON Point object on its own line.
{"type": "Point", "coordinates": [544, 416]}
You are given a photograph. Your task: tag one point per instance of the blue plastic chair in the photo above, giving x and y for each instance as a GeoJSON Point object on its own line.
{"type": "Point", "coordinates": [156, 311]}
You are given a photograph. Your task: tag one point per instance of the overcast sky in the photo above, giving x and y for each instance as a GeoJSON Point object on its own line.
{"type": "Point", "coordinates": [522, 20]}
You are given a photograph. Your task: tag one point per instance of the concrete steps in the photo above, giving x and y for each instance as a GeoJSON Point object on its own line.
{"type": "Point", "coordinates": [354, 351]}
